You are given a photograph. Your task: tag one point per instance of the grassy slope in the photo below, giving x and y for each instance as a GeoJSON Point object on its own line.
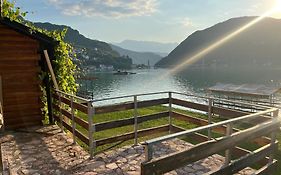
{"type": "Point", "coordinates": [154, 123]}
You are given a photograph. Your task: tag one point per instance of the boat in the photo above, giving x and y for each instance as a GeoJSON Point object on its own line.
{"type": "Point", "coordinates": [123, 73]}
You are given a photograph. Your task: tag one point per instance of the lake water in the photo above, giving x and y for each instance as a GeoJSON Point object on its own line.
{"type": "Point", "coordinates": [194, 81]}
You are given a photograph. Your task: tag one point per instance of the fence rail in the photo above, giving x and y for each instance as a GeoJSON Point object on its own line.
{"type": "Point", "coordinates": [260, 123]}
{"type": "Point", "coordinates": [208, 148]}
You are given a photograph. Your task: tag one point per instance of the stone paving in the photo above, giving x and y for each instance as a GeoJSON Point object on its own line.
{"type": "Point", "coordinates": [46, 150]}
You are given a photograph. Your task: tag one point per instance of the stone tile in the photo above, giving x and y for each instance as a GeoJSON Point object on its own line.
{"type": "Point", "coordinates": [52, 152]}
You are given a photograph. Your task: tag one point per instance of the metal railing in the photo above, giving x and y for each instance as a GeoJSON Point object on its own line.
{"type": "Point", "coordinates": [148, 144]}
{"type": "Point", "coordinates": [227, 143]}
{"type": "Point", "coordinates": [66, 105]}
{"type": "Point", "coordinates": [75, 103]}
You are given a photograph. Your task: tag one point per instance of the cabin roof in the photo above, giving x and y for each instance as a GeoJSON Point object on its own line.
{"type": "Point", "coordinates": [25, 30]}
{"type": "Point", "coordinates": [245, 89]}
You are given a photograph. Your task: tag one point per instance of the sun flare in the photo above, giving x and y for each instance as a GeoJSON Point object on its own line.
{"type": "Point", "coordinates": [278, 6]}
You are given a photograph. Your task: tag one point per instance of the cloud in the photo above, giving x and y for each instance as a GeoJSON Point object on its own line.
{"type": "Point", "coordinates": [186, 22]}
{"type": "Point", "coordinates": [106, 8]}
{"type": "Point", "coordinates": [254, 7]}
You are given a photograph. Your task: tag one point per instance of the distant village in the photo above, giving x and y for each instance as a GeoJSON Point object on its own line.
{"type": "Point", "coordinates": [82, 55]}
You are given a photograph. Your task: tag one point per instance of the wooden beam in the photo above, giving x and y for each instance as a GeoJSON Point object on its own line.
{"type": "Point", "coordinates": [247, 160]}
{"type": "Point", "coordinates": [76, 105]}
{"type": "Point", "coordinates": [78, 120]}
{"type": "Point", "coordinates": [177, 160]}
{"type": "Point", "coordinates": [131, 135]}
{"type": "Point", "coordinates": [51, 69]}
{"type": "Point", "coordinates": [149, 103]}
{"type": "Point", "coordinates": [221, 129]}
{"type": "Point", "coordinates": [114, 108]}
{"type": "Point", "coordinates": [78, 134]}
{"type": "Point", "coordinates": [127, 106]}
{"type": "Point", "coordinates": [128, 121]}
{"type": "Point", "coordinates": [268, 169]}
{"type": "Point", "coordinates": [197, 121]}
{"type": "Point", "coordinates": [237, 151]}
{"type": "Point", "coordinates": [191, 105]}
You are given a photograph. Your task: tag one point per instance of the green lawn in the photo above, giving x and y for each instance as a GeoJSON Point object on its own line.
{"type": "Point", "coordinates": [154, 123]}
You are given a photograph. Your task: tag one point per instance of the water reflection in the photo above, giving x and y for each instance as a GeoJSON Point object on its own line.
{"type": "Point", "coordinates": [192, 80]}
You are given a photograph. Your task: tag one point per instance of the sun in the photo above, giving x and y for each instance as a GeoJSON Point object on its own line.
{"type": "Point", "coordinates": [276, 10]}
{"type": "Point", "coordinates": [278, 6]}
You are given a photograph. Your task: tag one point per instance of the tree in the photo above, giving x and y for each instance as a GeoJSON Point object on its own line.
{"type": "Point", "coordinates": [65, 69]}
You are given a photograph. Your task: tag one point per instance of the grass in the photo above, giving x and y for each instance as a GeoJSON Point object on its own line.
{"type": "Point", "coordinates": [129, 113]}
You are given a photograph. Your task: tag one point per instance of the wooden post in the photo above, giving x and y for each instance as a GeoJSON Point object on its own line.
{"type": "Point", "coordinates": [136, 119]}
{"type": "Point", "coordinates": [1, 93]}
{"type": "Point", "coordinates": [51, 69]}
{"type": "Point", "coordinates": [148, 152]}
{"type": "Point", "coordinates": [1, 107]}
{"type": "Point", "coordinates": [170, 112]}
{"type": "Point", "coordinates": [60, 115]}
{"type": "Point", "coordinates": [90, 121]}
{"type": "Point", "coordinates": [73, 121]}
{"type": "Point", "coordinates": [210, 118]}
{"type": "Point", "coordinates": [49, 100]}
{"type": "Point", "coordinates": [229, 131]}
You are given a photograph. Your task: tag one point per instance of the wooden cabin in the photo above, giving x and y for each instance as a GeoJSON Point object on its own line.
{"type": "Point", "coordinates": [21, 62]}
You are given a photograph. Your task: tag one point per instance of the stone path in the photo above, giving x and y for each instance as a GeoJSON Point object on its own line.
{"type": "Point", "coordinates": [46, 150]}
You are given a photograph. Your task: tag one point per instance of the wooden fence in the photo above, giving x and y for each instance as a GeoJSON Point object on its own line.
{"type": "Point", "coordinates": [227, 143]}
{"type": "Point", "coordinates": [260, 124]}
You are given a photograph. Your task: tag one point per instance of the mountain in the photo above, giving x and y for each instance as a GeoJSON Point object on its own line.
{"type": "Point", "coordinates": [147, 46]}
{"type": "Point", "coordinates": [256, 47]}
{"type": "Point", "coordinates": [138, 57]}
{"type": "Point", "coordinates": [90, 52]}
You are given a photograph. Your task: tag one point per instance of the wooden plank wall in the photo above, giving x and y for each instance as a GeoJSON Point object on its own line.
{"type": "Point", "coordinates": [19, 69]}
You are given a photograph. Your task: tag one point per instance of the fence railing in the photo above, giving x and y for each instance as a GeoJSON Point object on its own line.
{"type": "Point", "coordinates": [214, 146]}
{"type": "Point", "coordinates": [69, 108]}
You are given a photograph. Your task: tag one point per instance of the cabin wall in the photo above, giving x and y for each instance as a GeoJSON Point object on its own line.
{"type": "Point", "coordinates": [19, 69]}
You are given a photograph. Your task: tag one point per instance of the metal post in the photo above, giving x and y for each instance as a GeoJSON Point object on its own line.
{"type": "Point", "coordinates": [91, 127]}
{"type": "Point", "coordinates": [73, 121]}
{"type": "Point", "coordinates": [136, 119]}
{"type": "Point", "coordinates": [271, 100]}
{"type": "Point", "coordinates": [2, 124]}
{"type": "Point", "coordinates": [273, 137]}
{"type": "Point", "coordinates": [60, 115]}
{"type": "Point", "coordinates": [210, 118]}
{"type": "Point", "coordinates": [170, 112]}
{"type": "Point", "coordinates": [148, 153]}
{"type": "Point", "coordinates": [229, 131]}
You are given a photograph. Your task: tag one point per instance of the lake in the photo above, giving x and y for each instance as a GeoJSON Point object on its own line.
{"type": "Point", "coordinates": [194, 81]}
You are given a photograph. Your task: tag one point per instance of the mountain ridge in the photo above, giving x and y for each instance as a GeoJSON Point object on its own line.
{"type": "Point", "coordinates": [138, 57]}
{"type": "Point", "coordinates": [250, 48]}
{"type": "Point", "coordinates": [147, 46]}
{"type": "Point", "coordinates": [90, 52]}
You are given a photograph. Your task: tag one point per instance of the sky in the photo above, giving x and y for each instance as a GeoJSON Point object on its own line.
{"type": "Point", "coordinates": [146, 20]}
